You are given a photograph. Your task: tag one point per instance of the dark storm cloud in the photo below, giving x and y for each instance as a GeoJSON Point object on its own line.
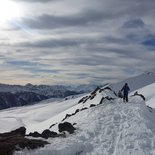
{"type": "Point", "coordinates": [84, 40]}
{"type": "Point", "coordinates": [85, 18]}
{"type": "Point", "coordinates": [149, 43]}
{"type": "Point", "coordinates": [50, 43]}
{"type": "Point", "coordinates": [34, 1]}
{"type": "Point", "coordinates": [73, 41]}
{"type": "Point", "coordinates": [88, 17]}
{"type": "Point", "coordinates": [31, 66]}
{"type": "Point", "coordinates": [21, 63]}
{"type": "Point", "coordinates": [135, 23]}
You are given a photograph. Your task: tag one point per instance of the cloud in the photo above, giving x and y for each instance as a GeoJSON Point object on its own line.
{"type": "Point", "coordinates": [34, 1]}
{"type": "Point", "coordinates": [50, 43]}
{"type": "Point", "coordinates": [82, 41]}
{"type": "Point", "coordinates": [34, 67]}
{"type": "Point", "coordinates": [46, 21]}
{"type": "Point", "coordinates": [135, 23]}
{"type": "Point", "coordinates": [149, 43]}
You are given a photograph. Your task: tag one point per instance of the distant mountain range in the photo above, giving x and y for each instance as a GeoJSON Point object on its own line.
{"type": "Point", "coordinates": [17, 95]}
{"type": "Point", "coordinates": [101, 122]}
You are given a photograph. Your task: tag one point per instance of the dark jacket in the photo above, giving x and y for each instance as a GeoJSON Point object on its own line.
{"type": "Point", "coordinates": [125, 89]}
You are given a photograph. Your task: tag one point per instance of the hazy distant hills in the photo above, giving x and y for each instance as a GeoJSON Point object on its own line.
{"type": "Point", "coordinates": [17, 95]}
{"type": "Point", "coordinates": [103, 122]}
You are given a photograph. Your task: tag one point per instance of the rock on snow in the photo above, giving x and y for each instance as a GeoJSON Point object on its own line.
{"type": "Point", "coordinates": [111, 128]}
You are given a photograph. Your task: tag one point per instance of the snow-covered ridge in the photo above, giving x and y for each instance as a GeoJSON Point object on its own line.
{"type": "Point", "coordinates": [149, 93]}
{"type": "Point", "coordinates": [108, 127]}
{"type": "Point", "coordinates": [46, 114]}
{"type": "Point", "coordinates": [111, 127]}
{"type": "Point", "coordinates": [105, 125]}
{"type": "Point", "coordinates": [59, 91]}
{"type": "Point", "coordinates": [136, 82]}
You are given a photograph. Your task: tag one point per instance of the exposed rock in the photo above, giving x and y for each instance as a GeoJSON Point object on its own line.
{"type": "Point", "coordinates": [102, 100]}
{"type": "Point", "coordinates": [83, 109]}
{"type": "Point", "coordinates": [20, 132]}
{"type": "Point", "coordinates": [77, 110]}
{"type": "Point", "coordinates": [92, 105]}
{"type": "Point", "coordinates": [137, 94]}
{"type": "Point", "coordinates": [52, 125]}
{"type": "Point", "coordinates": [74, 124]}
{"type": "Point", "coordinates": [84, 99]}
{"type": "Point", "coordinates": [47, 134]}
{"type": "Point", "coordinates": [92, 96]}
{"type": "Point", "coordinates": [66, 126]}
{"type": "Point", "coordinates": [15, 140]}
{"type": "Point", "coordinates": [9, 144]}
{"type": "Point", "coordinates": [106, 88]}
{"type": "Point", "coordinates": [34, 134]}
{"type": "Point", "coordinates": [67, 115]}
{"type": "Point", "coordinates": [94, 92]}
{"type": "Point", "coordinates": [150, 109]}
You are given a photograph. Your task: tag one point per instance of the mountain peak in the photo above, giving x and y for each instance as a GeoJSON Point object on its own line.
{"type": "Point", "coordinates": [102, 121]}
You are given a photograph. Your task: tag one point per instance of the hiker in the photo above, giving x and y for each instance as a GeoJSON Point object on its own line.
{"type": "Point", "coordinates": [125, 90]}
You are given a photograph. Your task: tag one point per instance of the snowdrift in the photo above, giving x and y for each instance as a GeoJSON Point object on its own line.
{"type": "Point", "coordinates": [104, 125]}
{"type": "Point", "coordinates": [149, 93]}
{"type": "Point", "coordinates": [136, 82]}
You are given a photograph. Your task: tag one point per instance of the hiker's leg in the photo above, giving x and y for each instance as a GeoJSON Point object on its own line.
{"type": "Point", "coordinates": [126, 98]}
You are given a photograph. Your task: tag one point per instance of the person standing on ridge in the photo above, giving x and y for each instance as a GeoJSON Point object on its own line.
{"type": "Point", "coordinates": [125, 90]}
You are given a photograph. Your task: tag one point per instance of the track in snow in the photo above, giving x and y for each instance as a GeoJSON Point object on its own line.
{"type": "Point", "coordinates": [113, 128]}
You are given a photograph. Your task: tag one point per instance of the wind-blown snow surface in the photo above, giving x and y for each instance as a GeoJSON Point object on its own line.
{"type": "Point", "coordinates": [110, 128]}
{"type": "Point", "coordinates": [136, 82]}
{"type": "Point", "coordinates": [149, 93]}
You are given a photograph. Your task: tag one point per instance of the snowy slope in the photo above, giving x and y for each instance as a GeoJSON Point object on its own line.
{"type": "Point", "coordinates": [110, 128]}
{"type": "Point", "coordinates": [42, 116]}
{"type": "Point", "coordinates": [149, 94]}
{"type": "Point", "coordinates": [136, 82]}
{"type": "Point", "coordinates": [28, 116]}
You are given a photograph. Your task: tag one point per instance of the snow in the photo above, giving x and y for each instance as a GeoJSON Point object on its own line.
{"type": "Point", "coordinates": [31, 116]}
{"type": "Point", "coordinates": [149, 94]}
{"type": "Point", "coordinates": [110, 128]}
{"type": "Point", "coordinates": [136, 82]}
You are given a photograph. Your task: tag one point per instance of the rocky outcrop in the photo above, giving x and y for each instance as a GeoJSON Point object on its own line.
{"type": "Point", "coordinates": [20, 132]}
{"type": "Point", "coordinates": [15, 141]}
{"type": "Point", "coordinates": [66, 126]}
{"type": "Point", "coordinates": [45, 134]}
{"type": "Point", "coordinates": [137, 94]}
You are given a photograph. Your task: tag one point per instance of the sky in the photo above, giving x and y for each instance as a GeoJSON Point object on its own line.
{"type": "Point", "coordinates": [75, 41]}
